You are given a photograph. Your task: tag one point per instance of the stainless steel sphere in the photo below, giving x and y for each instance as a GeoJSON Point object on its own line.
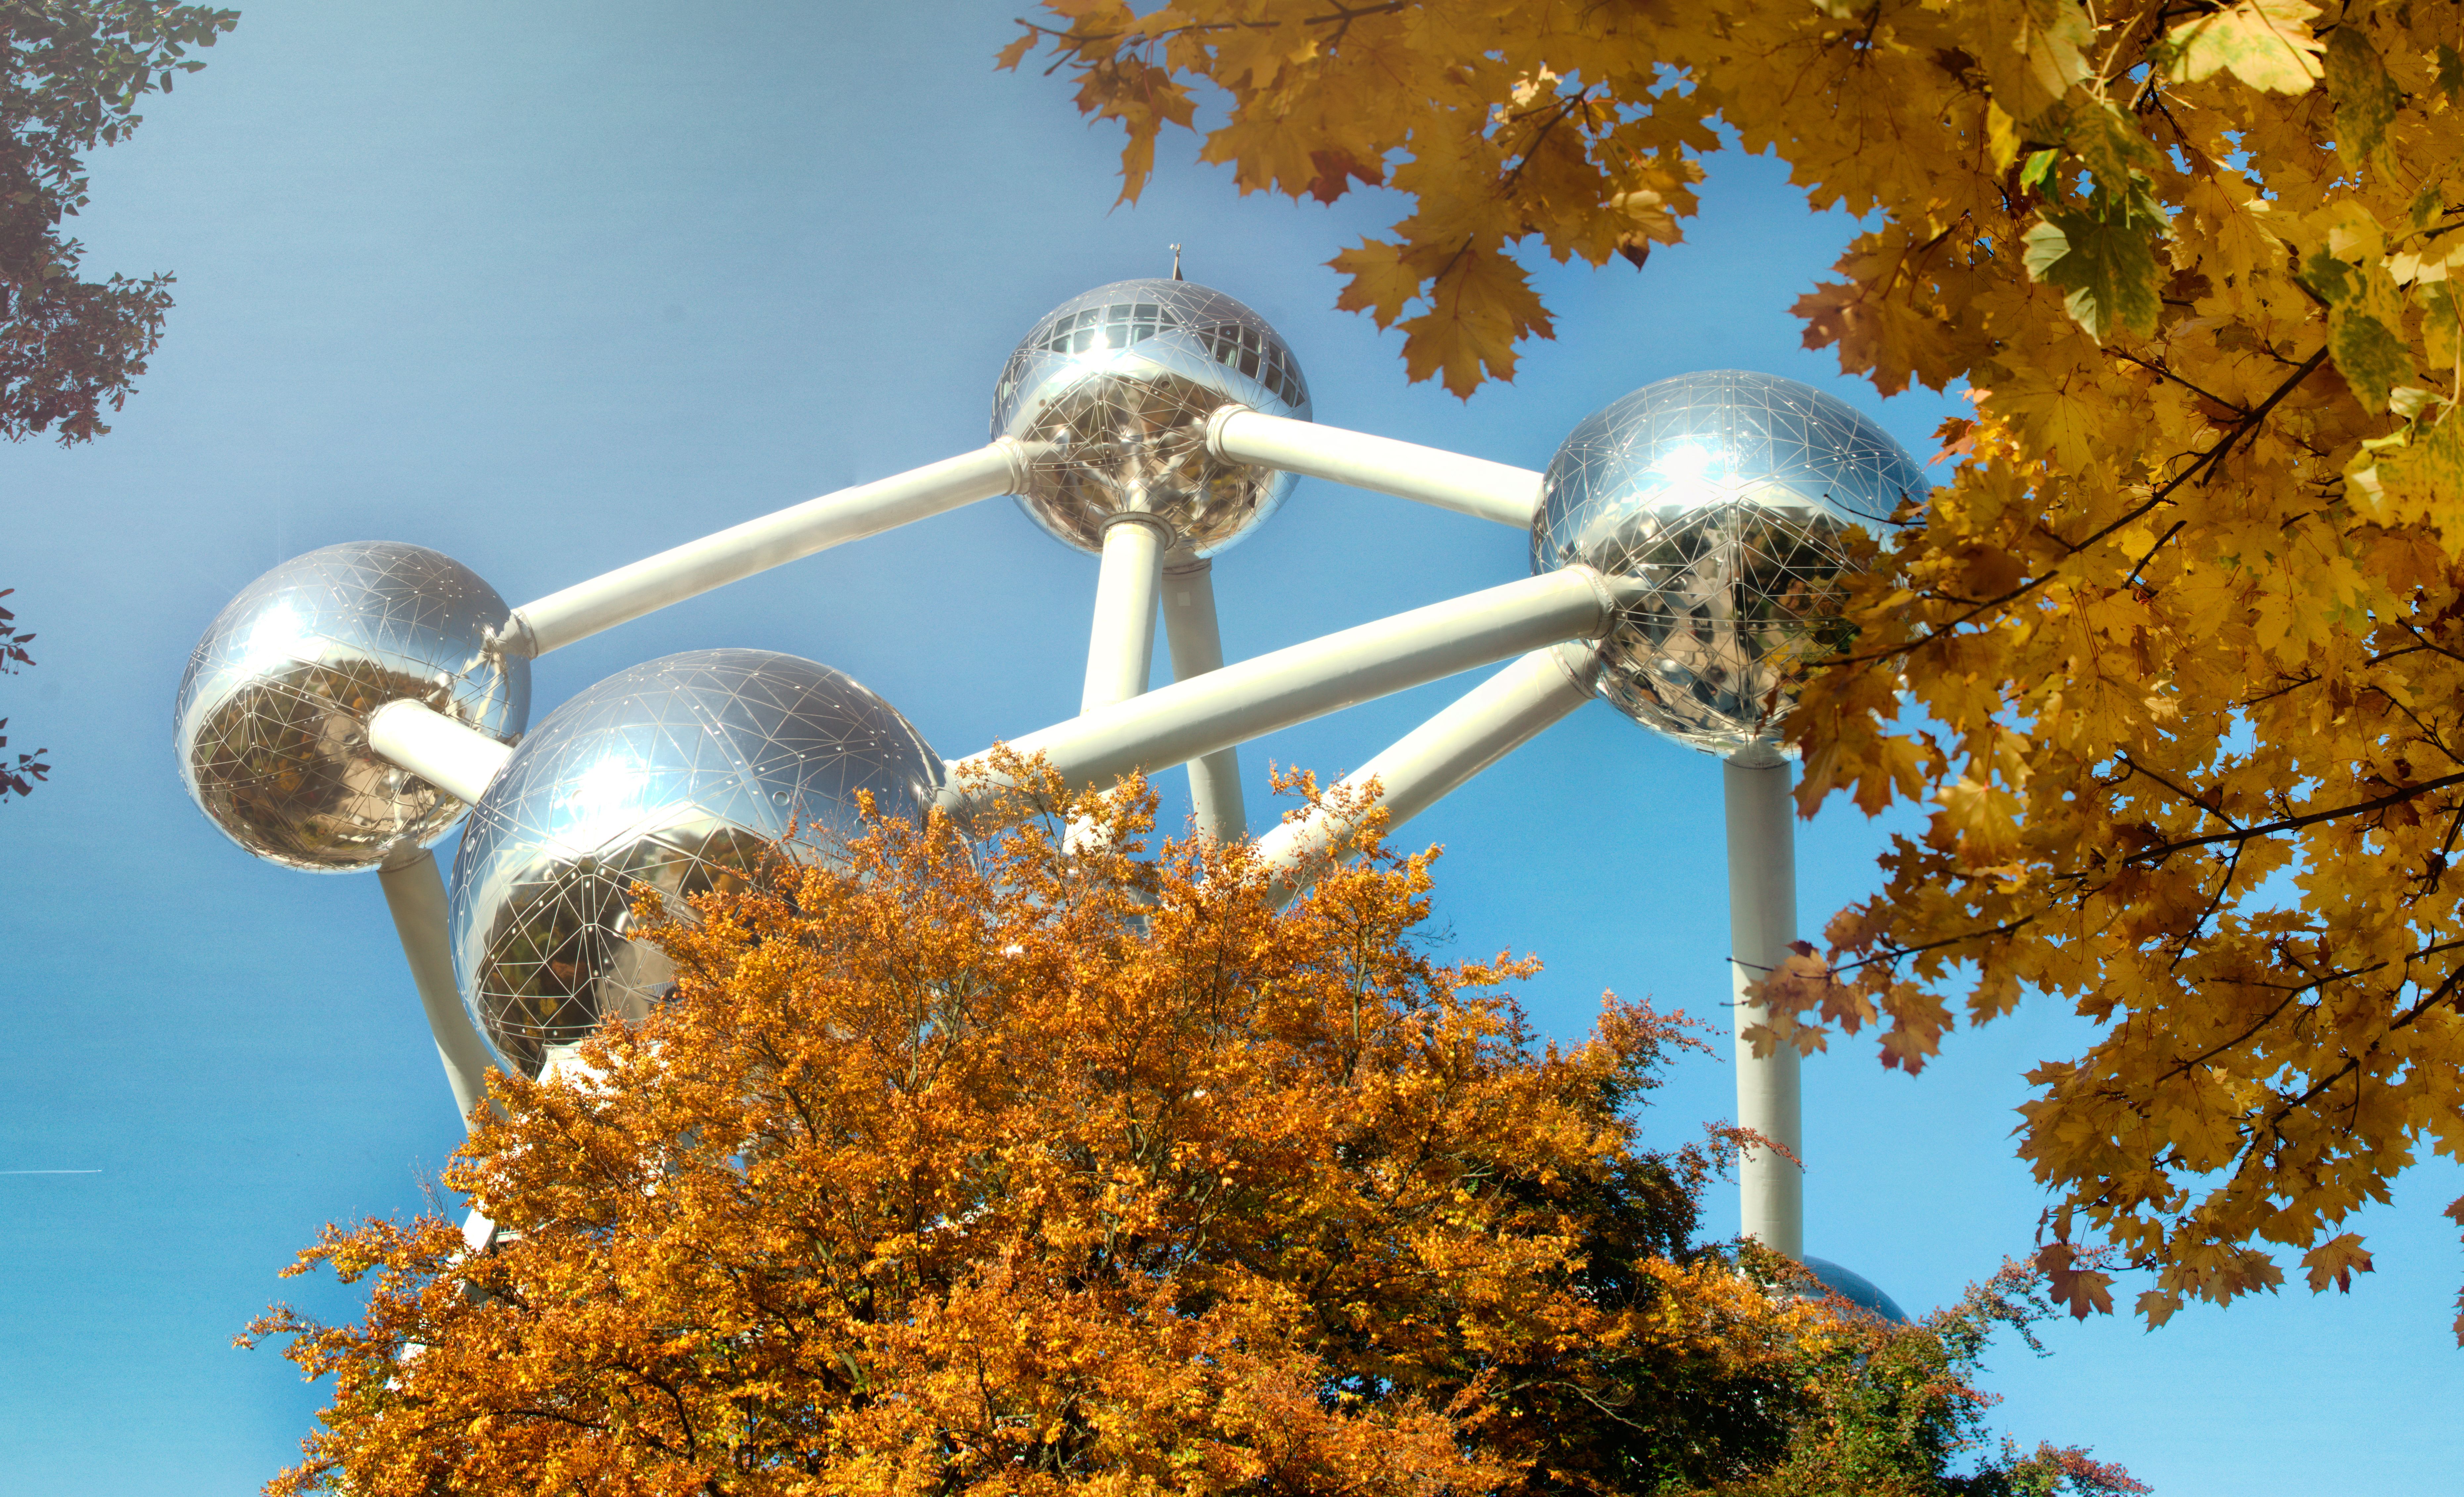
{"type": "Point", "coordinates": [680, 773]}
{"type": "Point", "coordinates": [272, 725]}
{"type": "Point", "coordinates": [1856, 1290]}
{"type": "Point", "coordinates": [1728, 494]}
{"type": "Point", "coordinates": [1121, 380]}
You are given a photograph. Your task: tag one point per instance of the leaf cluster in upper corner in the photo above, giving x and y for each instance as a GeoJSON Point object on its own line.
{"type": "Point", "coordinates": [71, 75]}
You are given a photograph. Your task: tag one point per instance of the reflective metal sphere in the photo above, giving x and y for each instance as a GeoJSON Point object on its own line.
{"type": "Point", "coordinates": [1122, 380]}
{"type": "Point", "coordinates": [1727, 495]}
{"type": "Point", "coordinates": [1856, 1290]}
{"type": "Point", "coordinates": [680, 773]}
{"type": "Point", "coordinates": [272, 718]}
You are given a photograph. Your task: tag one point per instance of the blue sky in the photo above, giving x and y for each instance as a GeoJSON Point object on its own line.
{"type": "Point", "coordinates": [551, 287]}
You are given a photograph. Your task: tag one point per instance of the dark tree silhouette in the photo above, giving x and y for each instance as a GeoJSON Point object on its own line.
{"type": "Point", "coordinates": [72, 73]}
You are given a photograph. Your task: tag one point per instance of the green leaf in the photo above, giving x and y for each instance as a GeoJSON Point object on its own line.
{"type": "Point", "coordinates": [2450, 73]}
{"type": "Point", "coordinates": [2109, 144]}
{"type": "Point", "coordinates": [2438, 301]}
{"type": "Point", "coordinates": [2103, 258]}
{"type": "Point", "coordinates": [2365, 341]}
{"type": "Point", "coordinates": [2367, 99]}
{"type": "Point", "coordinates": [2040, 166]}
{"type": "Point", "coordinates": [2330, 277]}
{"type": "Point", "coordinates": [2411, 473]}
{"type": "Point", "coordinates": [2424, 208]}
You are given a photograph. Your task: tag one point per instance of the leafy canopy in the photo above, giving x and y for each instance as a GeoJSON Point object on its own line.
{"type": "Point", "coordinates": [1009, 1170]}
{"type": "Point", "coordinates": [72, 73]}
{"type": "Point", "coordinates": [2176, 665]}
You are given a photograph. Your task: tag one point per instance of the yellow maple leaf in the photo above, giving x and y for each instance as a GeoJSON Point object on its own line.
{"type": "Point", "coordinates": [2265, 43]}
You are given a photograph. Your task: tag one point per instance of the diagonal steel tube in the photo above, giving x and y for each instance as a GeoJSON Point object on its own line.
{"type": "Point", "coordinates": [1192, 718]}
{"type": "Point", "coordinates": [456, 758]}
{"type": "Point", "coordinates": [714, 561]}
{"type": "Point", "coordinates": [1433, 760]}
{"type": "Point", "coordinates": [415, 893]}
{"type": "Point", "coordinates": [1431, 475]}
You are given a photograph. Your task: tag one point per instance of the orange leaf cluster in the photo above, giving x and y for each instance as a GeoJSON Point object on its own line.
{"type": "Point", "coordinates": [1034, 1166]}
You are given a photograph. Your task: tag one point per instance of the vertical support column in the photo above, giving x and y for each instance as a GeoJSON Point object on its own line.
{"type": "Point", "coordinates": [1121, 647]}
{"type": "Point", "coordinates": [1196, 642]}
{"type": "Point", "coordinates": [415, 892]}
{"type": "Point", "coordinates": [1762, 921]}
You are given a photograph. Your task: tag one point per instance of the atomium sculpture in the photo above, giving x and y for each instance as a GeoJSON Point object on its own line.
{"type": "Point", "coordinates": [1688, 550]}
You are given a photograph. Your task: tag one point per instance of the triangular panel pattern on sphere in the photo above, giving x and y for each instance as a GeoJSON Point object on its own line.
{"type": "Point", "coordinates": [1114, 389]}
{"type": "Point", "coordinates": [271, 722]}
{"type": "Point", "coordinates": [1729, 495]}
{"type": "Point", "coordinates": [682, 774]}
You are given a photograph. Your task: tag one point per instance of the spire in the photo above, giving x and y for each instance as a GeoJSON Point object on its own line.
{"type": "Point", "coordinates": [1176, 262]}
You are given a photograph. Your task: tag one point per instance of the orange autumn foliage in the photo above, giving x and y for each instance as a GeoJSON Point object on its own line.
{"type": "Point", "coordinates": [1005, 1169]}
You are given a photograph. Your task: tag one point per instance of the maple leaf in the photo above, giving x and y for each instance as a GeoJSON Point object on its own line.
{"type": "Point", "coordinates": [2082, 1291]}
{"type": "Point", "coordinates": [2158, 1306]}
{"type": "Point", "coordinates": [1335, 169]}
{"type": "Point", "coordinates": [1480, 306]}
{"type": "Point", "coordinates": [1383, 281]}
{"type": "Point", "coordinates": [2265, 43]}
{"type": "Point", "coordinates": [1958, 438]}
{"type": "Point", "coordinates": [2336, 1260]}
{"type": "Point", "coordinates": [2112, 146]}
{"type": "Point", "coordinates": [2059, 417]}
{"type": "Point", "coordinates": [2103, 258]}
{"type": "Point", "coordinates": [2440, 345]}
{"type": "Point", "coordinates": [2365, 316]}
{"type": "Point", "coordinates": [2034, 51]}
{"type": "Point", "coordinates": [2367, 99]}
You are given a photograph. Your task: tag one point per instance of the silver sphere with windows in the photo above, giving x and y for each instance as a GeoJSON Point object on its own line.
{"type": "Point", "coordinates": [271, 722]}
{"type": "Point", "coordinates": [1120, 383]}
{"type": "Point", "coordinates": [1729, 496]}
{"type": "Point", "coordinates": [681, 773]}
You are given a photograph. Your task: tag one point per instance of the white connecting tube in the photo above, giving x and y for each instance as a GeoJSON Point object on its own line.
{"type": "Point", "coordinates": [1192, 718]}
{"type": "Point", "coordinates": [456, 759]}
{"type": "Point", "coordinates": [1762, 921]}
{"type": "Point", "coordinates": [460, 761]}
{"type": "Point", "coordinates": [1491, 721]}
{"type": "Point", "coordinates": [714, 561]}
{"type": "Point", "coordinates": [1196, 642]}
{"type": "Point", "coordinates": [415, 892]}
{"type": "Point", "coordinates": [1120, 647]}
{"type": "Point", "coordinates": [1448, 480]}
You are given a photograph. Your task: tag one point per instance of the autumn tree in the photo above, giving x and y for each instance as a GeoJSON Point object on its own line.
{"type": "Point", "coordinates": [2175, 663]}
{"type": "Point", "coordinates": [17, 778]}
{"type": "Point", "coordinates": [73, 74]}
{"type": "Point", "coordinates": [995, 1168]}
